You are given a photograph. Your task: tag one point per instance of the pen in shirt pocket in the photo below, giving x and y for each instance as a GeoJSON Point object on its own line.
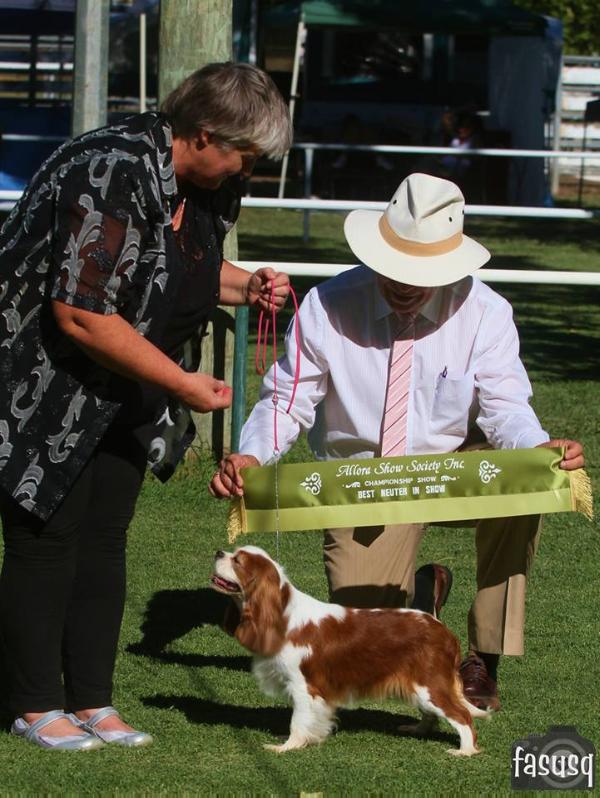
{"type": "Point", "coordinates": [444, 373]}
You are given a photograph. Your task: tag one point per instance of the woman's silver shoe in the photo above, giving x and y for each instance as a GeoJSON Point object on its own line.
{"type": "Point", "coordinates": [72, 742]}
{"type": "Point", "coordinates": [132, 739]}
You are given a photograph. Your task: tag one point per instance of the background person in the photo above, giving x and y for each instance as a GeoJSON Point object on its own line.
{"type": "Point", "coordinates": [111, 262]}
{"type": "Point", "coordinates": [464, 170]}
{"type": "Point", "coordinates": [464, 383]}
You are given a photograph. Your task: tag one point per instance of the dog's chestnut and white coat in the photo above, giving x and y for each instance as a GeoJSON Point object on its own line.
{"type": "Point", "coordinates": [324, 655]}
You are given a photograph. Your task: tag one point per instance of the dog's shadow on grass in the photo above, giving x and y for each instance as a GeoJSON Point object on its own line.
{"type": "Point", "coordinates": [275, 721]}
{"type": "Point", "coordinates": [171, 614]}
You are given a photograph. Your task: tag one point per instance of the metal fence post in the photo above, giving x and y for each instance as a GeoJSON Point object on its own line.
{"type": "Point", "coordinates": [309, 154]}
{"type": "Point", "coordinates": [240, 355]}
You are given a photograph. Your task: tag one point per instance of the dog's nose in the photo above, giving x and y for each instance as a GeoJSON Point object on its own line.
{"type": "Point", "coordinates": [219, 554]}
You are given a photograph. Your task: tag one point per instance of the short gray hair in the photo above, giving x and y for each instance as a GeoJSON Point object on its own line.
{"type": "Point", "coordinates": [237, 103]}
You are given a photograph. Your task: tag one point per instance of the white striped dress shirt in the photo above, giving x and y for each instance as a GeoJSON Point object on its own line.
{"type": "Point", "coordinates": [466, 371]}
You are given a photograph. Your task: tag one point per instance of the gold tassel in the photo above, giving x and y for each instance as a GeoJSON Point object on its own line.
{"type": "Point", "coordinates": [581, 493]}
{"type": "Point", "coordinates": [235, 522]}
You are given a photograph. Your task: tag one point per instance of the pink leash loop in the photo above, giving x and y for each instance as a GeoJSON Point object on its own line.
{"type": "Point", "coordinates": [275, 399]}
{"type": "Point", "coordinates": [260, 359]}
{"type": "Point", "coordinates": [261, 355]}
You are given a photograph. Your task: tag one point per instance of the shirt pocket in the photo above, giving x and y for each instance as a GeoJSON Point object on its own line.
{"type": "Point", "coordinates": [452, 400]}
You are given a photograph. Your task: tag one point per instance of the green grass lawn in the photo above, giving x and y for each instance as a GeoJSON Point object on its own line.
{"type": "Point", "coordinates": [182, 679]}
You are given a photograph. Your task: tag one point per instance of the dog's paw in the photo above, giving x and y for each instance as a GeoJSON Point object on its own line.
{"type": "Point", "coordinates": [281, 749]}
{"type": "Point", "coordinates": [463, 752]}
{"type": "Point", "coordinates": [276, 749]}
{"type": "Point", "coordinates": [289, 745]}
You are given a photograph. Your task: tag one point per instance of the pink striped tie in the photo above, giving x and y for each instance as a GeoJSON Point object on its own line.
{"type": "Point", "coordinates": [393, 439]}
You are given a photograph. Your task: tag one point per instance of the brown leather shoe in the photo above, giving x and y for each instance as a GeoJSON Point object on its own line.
{"type": "Point", "coordinates": [478, 686]}
{"type": "Point", "coordinates": [432, 587]}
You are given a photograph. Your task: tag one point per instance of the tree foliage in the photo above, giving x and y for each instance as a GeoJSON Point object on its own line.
{"type": "Point", "coordinates": [580, 18]}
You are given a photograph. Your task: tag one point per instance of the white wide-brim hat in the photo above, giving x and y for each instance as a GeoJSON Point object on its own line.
{"type": "Point", "coordinates": [419, 239]}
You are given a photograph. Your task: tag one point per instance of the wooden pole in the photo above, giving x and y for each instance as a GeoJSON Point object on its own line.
{"type": "Point", "coordinates": [556, 141]}
{"type": "Point", "coordinates": [194, 33]}
{"type": "Point", "coordinates": [90, 85]}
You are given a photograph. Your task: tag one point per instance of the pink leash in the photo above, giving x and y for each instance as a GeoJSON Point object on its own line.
{"type": "Point", "coordinates": [261, 355]}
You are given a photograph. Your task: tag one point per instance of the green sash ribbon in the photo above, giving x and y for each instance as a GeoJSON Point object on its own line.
{"type": "Point", "coordinates": [403, 490]}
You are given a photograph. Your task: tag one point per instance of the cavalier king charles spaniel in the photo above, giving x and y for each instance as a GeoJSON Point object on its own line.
{"type": "Point", "coordinates": [323, 656]}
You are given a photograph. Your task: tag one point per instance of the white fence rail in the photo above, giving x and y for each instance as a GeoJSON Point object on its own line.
{"type": "Point", "coordinates": [31, 137]}
{"type": "Point", "coordinates": [415, 149]}
{"type": "Point", "coordinates": [530, 212]}
{"type": "Point", "coordinates": [9, 198]}
{"type": "Point", "coordinates": [494, 152]}
{"type": "Point", "coordinates": [296, 269]}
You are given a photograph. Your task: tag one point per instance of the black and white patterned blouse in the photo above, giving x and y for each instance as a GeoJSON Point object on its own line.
{"type": "Point", "coordinates": [93, 229]}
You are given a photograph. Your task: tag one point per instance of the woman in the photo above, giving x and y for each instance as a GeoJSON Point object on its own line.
{"type": "Point", "coordinates": [110, 263]}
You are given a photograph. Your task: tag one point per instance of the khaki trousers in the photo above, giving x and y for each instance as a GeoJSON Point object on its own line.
{"type": "Point", "coordinates": [375, 567]}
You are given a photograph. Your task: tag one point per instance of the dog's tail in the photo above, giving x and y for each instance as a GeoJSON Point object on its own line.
{"type": "Point", "coordinates": [474, 711]}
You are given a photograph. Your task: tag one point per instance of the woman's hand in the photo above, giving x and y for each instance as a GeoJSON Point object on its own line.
{"type": "Point", "coordinates": [237, 287]}
{"type": "Point", "coordinates": [227, 481]}
{"type": "Point", "coordinates": [203, 393]}
{"type": "Point", "coordinates": [573, 453]}
{"type": "Point", "coordinates": [264, 284]}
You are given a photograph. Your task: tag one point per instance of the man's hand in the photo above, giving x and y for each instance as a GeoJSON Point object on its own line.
{"type": "Point", "coordinates": [263, 283]}
{"type": "Point", "coordinates": [227, 481]}
{"type": "Point", "coordinates": [573, 453]}
{"type": "Point", "coordinates": [203, 393]}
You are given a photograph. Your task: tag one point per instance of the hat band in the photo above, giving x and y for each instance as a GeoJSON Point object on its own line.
{"type": "Point", "coordinates": [417, 247]}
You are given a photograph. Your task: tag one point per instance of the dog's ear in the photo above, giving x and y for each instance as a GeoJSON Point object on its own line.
{"type": "Point", "coordinates": [231, 618]}
{"type": "Point", "coordinates": [262, 627]}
